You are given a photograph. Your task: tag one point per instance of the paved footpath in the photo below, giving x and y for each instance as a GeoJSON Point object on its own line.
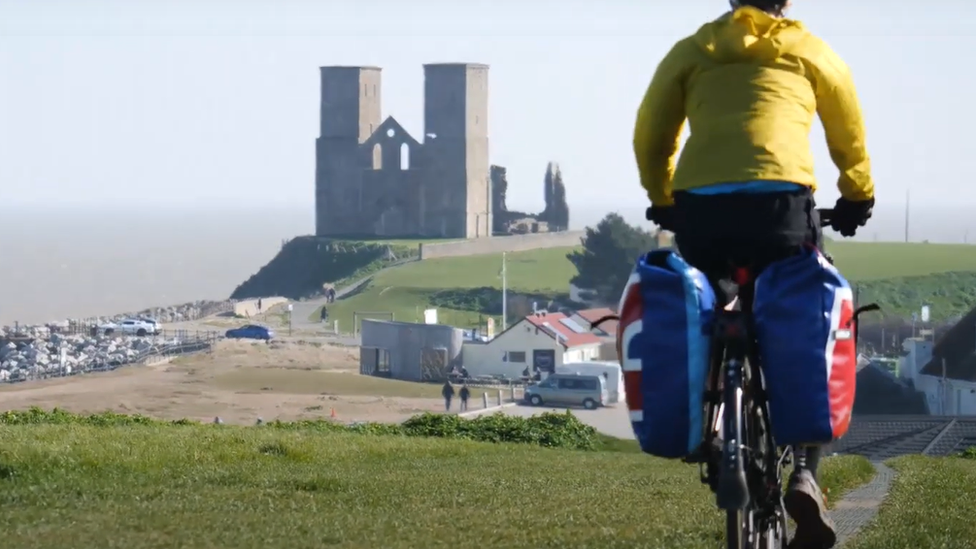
{"type": "Point", "coordinates": [859, 506]}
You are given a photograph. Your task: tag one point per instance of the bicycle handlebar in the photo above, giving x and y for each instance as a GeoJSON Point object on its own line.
{"type": "Point", "coordinates": [826, 215]}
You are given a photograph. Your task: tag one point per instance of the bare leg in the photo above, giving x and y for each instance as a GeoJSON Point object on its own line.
{"type": "Point", "coordinates": [809, 459]}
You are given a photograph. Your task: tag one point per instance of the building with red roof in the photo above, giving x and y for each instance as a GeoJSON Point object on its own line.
{"type": "Point", "coordinates": [540, 341]}
{"type": "Point", "coordinates": [606, 329]}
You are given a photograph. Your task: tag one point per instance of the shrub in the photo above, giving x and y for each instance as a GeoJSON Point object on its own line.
{"type": "Point", "coordinates": [487, 300]}
{"type": "Point", "coordinates": [36, 416]}
{"type": "Point", "coordinates": [968, 453]}
{"type": "Point", "coordinates": [550, 430]}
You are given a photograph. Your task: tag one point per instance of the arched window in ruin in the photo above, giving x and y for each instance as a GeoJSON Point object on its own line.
{"type": "Point", "coordinates": [404, 157]}
{"type": "Point", "coordinates": [377, 157]}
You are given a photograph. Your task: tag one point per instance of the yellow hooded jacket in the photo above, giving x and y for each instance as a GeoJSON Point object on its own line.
{"type": "Point", "coordinates": [749, 85]}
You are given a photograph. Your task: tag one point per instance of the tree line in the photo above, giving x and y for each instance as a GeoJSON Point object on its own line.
{"type": "Point", "coordinates": [610, 251]}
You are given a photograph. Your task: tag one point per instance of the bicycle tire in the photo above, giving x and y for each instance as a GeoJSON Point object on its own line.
{"type": "Point", "coordinates": [735, 537]}
{"type": "Point", "coordinates": [765, 530]}
{"type": "Point", "coordinates": [733, 493]}
{"type": "Point", "coordinates": [770, 532]}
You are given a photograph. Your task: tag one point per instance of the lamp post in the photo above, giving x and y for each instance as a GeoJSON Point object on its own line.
{"type": "Point", "coordinates": [291, 315]}
{"type": "Point", "coordinates": [504, 293]}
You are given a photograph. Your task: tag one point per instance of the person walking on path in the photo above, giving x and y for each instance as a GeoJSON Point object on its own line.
{"type": "Point", "coordinates": [465, 393]}
{"type": "Point", "coordinates": [448, 392]}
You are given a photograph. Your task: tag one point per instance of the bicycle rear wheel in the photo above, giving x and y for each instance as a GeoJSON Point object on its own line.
{"type": "Point", "coordinates": [765, 471]}
{"type": "Point", "coordinates": [770, 526]}
{"type": "Point", "coordinates": [733, 489]}
{"type": "Point", "coordinates": [735, 536]}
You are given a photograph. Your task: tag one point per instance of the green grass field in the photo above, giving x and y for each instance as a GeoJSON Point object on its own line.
{"type": "Point", "coordinates": [871, 261]}
{"type": "Point", "coordinates": [406, 290]}
{"type": "Point", "coordinates": [948, 294]}
{"type": "Point", "coordinates": [901, 277]}
{"type": "Point", "coordinates": [156, 486]}
{"type": "Point", "coordinates": [930, 506]}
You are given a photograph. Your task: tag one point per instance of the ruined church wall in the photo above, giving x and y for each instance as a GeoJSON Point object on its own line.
{"type": "Point", "coordinates": [499, 244]}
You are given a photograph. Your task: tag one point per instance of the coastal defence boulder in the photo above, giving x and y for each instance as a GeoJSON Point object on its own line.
{"type": "Point", "coordinates": [35, 352]}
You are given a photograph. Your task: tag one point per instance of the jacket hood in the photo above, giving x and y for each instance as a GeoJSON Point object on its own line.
{"type": "Point", "coordinates": [748, 33]}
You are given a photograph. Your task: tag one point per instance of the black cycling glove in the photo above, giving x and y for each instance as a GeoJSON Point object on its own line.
{"type": "Point", "coordinates": [663, 216]}
{"type": "Point", "coordinates": [851, 214]}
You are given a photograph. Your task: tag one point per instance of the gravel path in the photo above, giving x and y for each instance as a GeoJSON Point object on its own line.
{"type": "Point", "coordinates": [859, 507]}
{"type": "Point", "coordinates": [305, 309]}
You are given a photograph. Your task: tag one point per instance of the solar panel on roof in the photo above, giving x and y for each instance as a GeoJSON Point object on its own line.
{"type": "Point", "coordinates": [572, 325]}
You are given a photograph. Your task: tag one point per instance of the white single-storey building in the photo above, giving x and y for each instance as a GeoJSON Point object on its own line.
{"type": "Point", "coordinates": [540, 341]}
{"type": "Point", "coordinates": [944, 371]}
{"type": "Point", "coordinates": [949, 384]}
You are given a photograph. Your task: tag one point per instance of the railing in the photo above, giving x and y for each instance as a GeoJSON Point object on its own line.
{"type": "Point", "coordinates": [496, 382]}
{"type": "Point", "coordinates": [187, 312]}
{"type": "Point", "coordinates": [491, 397]}
{"type": "Point", "coordinates": [95, 330]}
{"type": "Point", "coordinates": [163, 346]}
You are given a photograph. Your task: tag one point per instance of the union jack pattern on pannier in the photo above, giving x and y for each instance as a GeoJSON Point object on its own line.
{"type": "Point", "coordinates": [663, 342]}
{"type": "Point", "coordinates": [804, 313]}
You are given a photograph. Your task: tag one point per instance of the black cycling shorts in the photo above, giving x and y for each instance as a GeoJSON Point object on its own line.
{"type": "Point", "coordinates": [746, 229]}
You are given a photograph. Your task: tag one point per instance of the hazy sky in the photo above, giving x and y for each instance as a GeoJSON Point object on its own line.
{"type": "Point", "coordinates": [202, 101]}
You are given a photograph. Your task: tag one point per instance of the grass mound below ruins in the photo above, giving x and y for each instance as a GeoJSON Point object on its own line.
{"type": "Point", "coordinates": [460, 288]}
{"type": "Point", "coordinates": [109, 480]}
{"type": "Point", "coordinates": [305, 263]}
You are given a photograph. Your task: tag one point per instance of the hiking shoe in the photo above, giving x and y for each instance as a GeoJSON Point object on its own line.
{"type": "Point", "coordinates": [805, 504]}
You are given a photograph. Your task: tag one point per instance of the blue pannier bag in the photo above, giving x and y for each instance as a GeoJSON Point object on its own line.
{"type": "Point", "coordinates": [806, 330]}
{"type": "Point", "coordinates": [663, 341]}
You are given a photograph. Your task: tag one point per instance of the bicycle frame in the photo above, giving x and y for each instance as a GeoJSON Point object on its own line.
{"type": "Point", "coordinates": [747, 478]}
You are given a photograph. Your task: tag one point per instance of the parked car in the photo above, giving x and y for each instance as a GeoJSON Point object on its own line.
{"type": "Point", "coordinates": [130, 326]}
{"type": "Point", "coordinates": [610, 371]}
{"type": "Point", "coordinates": [250, 331]}
{"type": "Point", "coordinates": [156, 324]}
{"type": "Point", "coordinates": [589, 391]}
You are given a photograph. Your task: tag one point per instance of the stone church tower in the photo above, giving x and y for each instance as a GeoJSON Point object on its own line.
{"type": "Point", "coordinates": [374, 179]}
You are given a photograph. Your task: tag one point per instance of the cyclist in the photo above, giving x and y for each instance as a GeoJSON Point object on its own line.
{"type": "Point", "coordinates": [749, 84]}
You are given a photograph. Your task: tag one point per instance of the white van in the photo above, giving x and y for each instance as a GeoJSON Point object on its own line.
{"type": "Point", "coordinates": [587, 390]}
{"type": "Point", "coordinates": [614, 376]}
